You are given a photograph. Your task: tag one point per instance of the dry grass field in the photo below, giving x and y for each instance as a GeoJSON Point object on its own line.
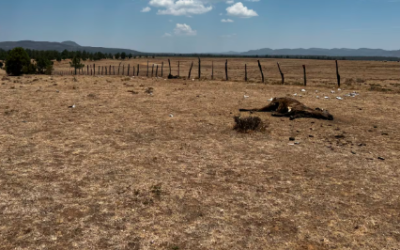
{"type": "Point", "coordinates": [149, 163]}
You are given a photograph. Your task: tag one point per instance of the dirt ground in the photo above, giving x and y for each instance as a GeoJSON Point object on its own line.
{"type": "Point", "coordinates": [145, 163]}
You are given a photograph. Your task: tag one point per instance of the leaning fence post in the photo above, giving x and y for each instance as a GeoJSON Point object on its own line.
{"type": "Point", "coordinates": [262, 74]}
{"type": "Point", "coordinates": [282, 75]}
{"type": "Point", "coordinates": [199, 68]}
{"type": "Point", "coordinates": [226, 69]}
{"type": "Point", "coordinates": [190, 70]}
{"type": "Point", "coordinates": [169, 63]}
{"type": "Point", "coordinates": [212, 70]}
{"type": "Point", "coordinates": [337, 74]}
{"type": "Point", "coordinates": [245, 72]}
{"type": "Point", "coordinates": [305, 75]}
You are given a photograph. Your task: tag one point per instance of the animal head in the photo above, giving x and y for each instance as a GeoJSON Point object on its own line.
{"type": "Point", "coordinates": [325, 114]}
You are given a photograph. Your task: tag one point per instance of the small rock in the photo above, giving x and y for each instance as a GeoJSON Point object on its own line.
{"type": "Point", "coordinates": [326, 97]}
{"type": "Point", "coordinates": [171, 115]}
{"type": "Point", "coordinates": [311, 136]}
{"type": "Point", "coordinates": [246, 96]}
{"type": "Point", "coordinates": [339, 98]}
{"type": "Point", "coordinates": [303, 90]}
{"type": "Point", "coordinates": [353, 152]}
{"type": "Point", "coordinates": [292, 138]}
{"type": "Point", "coordinates": [381, 158]}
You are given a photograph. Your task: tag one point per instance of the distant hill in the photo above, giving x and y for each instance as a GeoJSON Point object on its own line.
{"type": "Point", "coordinates": [67, 45]}
{"type": "Point", "coordinates": [324, 52]}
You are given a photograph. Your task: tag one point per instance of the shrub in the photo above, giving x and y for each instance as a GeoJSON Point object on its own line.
{"type": "Point", "coordinates": [29, 69]}
{"type": "Point", "coordinates": [251, 123]}
{"type": "Point", "coordinates": [1, 65]}
{"type": "Point", "coordinates": [17, 60]}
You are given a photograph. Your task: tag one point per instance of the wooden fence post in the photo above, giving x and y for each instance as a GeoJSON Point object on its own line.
{"type": "Point", "coordinates": [178, 67]}
{"type": "Point", "coordinates": [262, 74]}
{"type": "Point", "coordinates": [199, 68]}
{"type": "Point", "coordinates": [87, 70]}
{"type": "Point", "coordinates": [129, 66]}
{"type": "Point", "coordinates": [137, 70]}
{"type": "Point", "coordinates": [282, 75]}
{"type": "Point", "coordinates": [337, 74]}
{"type": "Point", "coordinates": [190, 70]}
{"type": "Point", "coordinates": [226, 69]}
{"type": "Point", "coordinates": [212, 70]}
{"type": "Point", "coordinates": [114, 69]}
{"type": "Point", "coordinates": [91, 72]}
{"type": "Point", "coordinates": [109, 72]}
{"type": "Point", "coordinates": [147, 73]}
{"type": "Point", "coordinates": [105, 69]}
{"type": "Point", "coordinates": [162, 68]}
{"type": "Point", "coordinates": [133, 70]}
{"type": "Point", "coordinates": [305, 75]}
{"type": "Point", "coordinates": [123, 69]}
{"type": "Point", "coordinates": [152, 70]}
{"type": "Point", "coordinates": [169, 63]}
{"type": "Point", "coordinates": [245, 72]}
{"type": "Point", "coordinates": [94, 69]}
{"type": "Point", "coordinates": [156, 70]}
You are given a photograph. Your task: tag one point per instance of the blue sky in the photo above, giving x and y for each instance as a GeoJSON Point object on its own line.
{"type": "Point", "coordinates": [205, 25]}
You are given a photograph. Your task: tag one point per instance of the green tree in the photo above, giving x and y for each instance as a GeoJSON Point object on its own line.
{"type": "Point", "coordinates": [123, 55]}
{"type": "Point", "coordinates": [130, 55]}
{"type": "Point", "coordinates": [1, 65]}
{"type": "Point", "coordinates": [42, 65]}
{"type": "Point", "coordinates": [16, 60]}
{"type": "Point", "coordinates": [117, 56]}
{"type": "Point", "coordinates": [76, 63]}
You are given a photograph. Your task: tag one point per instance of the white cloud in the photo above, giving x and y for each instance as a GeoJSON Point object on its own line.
{"type": "Point", "coordinates": [184, 30]}
{"type": "Point", "coordinates": [221, 14]}
{"type": "Point", "coordinates": [167, 35]}
{"type": "Point", "coordinates": [253, 0]}
{"type": "Point", "coordinates": [239, 10]}
{"type": "Point", "coordinates": [230, 1]}
{"type": "Point", "coordinates": [146, 9]}
{"type": "Point", "coordinates": [180, 7]}
{"type": "Point", "coordinates": [227, 20]}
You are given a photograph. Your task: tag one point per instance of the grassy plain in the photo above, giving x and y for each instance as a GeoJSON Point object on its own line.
{"type": "Point", "coordinates": [131, 168]}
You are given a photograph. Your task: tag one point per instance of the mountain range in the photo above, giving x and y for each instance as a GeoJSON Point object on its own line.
{"type": "Point", "coordinates": [67, 45]}
{"type": "Point", "coordinates": [73, 46]}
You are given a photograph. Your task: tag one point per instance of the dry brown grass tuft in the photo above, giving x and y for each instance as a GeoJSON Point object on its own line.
{"type": "Point", "coordinates": [246, 124]}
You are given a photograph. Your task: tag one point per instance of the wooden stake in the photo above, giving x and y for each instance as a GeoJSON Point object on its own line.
{"type": "Point", "coordinates": [190, 70]}
{"type": "Point", "coordinates": [169, 63]}
{"type": "Point", "coordinates": [123, 69]}
{"type": "Point", "coordinates": [337, 74]}
{"type": "Point", "coordinates": [245, 72]}
{"type": "Point", "coordinates": [109, 72]}
{"type": "Point", "coordinates": [106, 70]}
{"type": "Point", "coordinates": [129, 66]}
{"type": "Point", "coordinates": [157, 70]}
{"type": "Point", "coordinates": [137, 70]}
{"type": "Point", "coordinates": [94, 69]}
{"type": "Point", "coordinates": [178, 67]}
{"type": "Point", "coordinates": [282, 75]}
{"type": "Point", "coordinates": [199, 68]}
{"type": "Point", "coordinates": [162, 68]}
{"type": "Point", "coordinates": [262, 74]}
{"type": "Point", "coordinates": [226, 69]}
{"type": "Point", "coordinates": [114, 69]}
{"type": "Point", "coordinates": [305, 75]}
{"type": "Point", "coordinates": [147, 73]}
{"type": "Point", "coordinates": [152, 70]}
{"type": "Point", "coordinates": [212, 70]}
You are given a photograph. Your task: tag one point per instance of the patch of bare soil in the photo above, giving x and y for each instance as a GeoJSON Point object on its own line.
{"type": "Point", "coordinates": [130, 168]}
